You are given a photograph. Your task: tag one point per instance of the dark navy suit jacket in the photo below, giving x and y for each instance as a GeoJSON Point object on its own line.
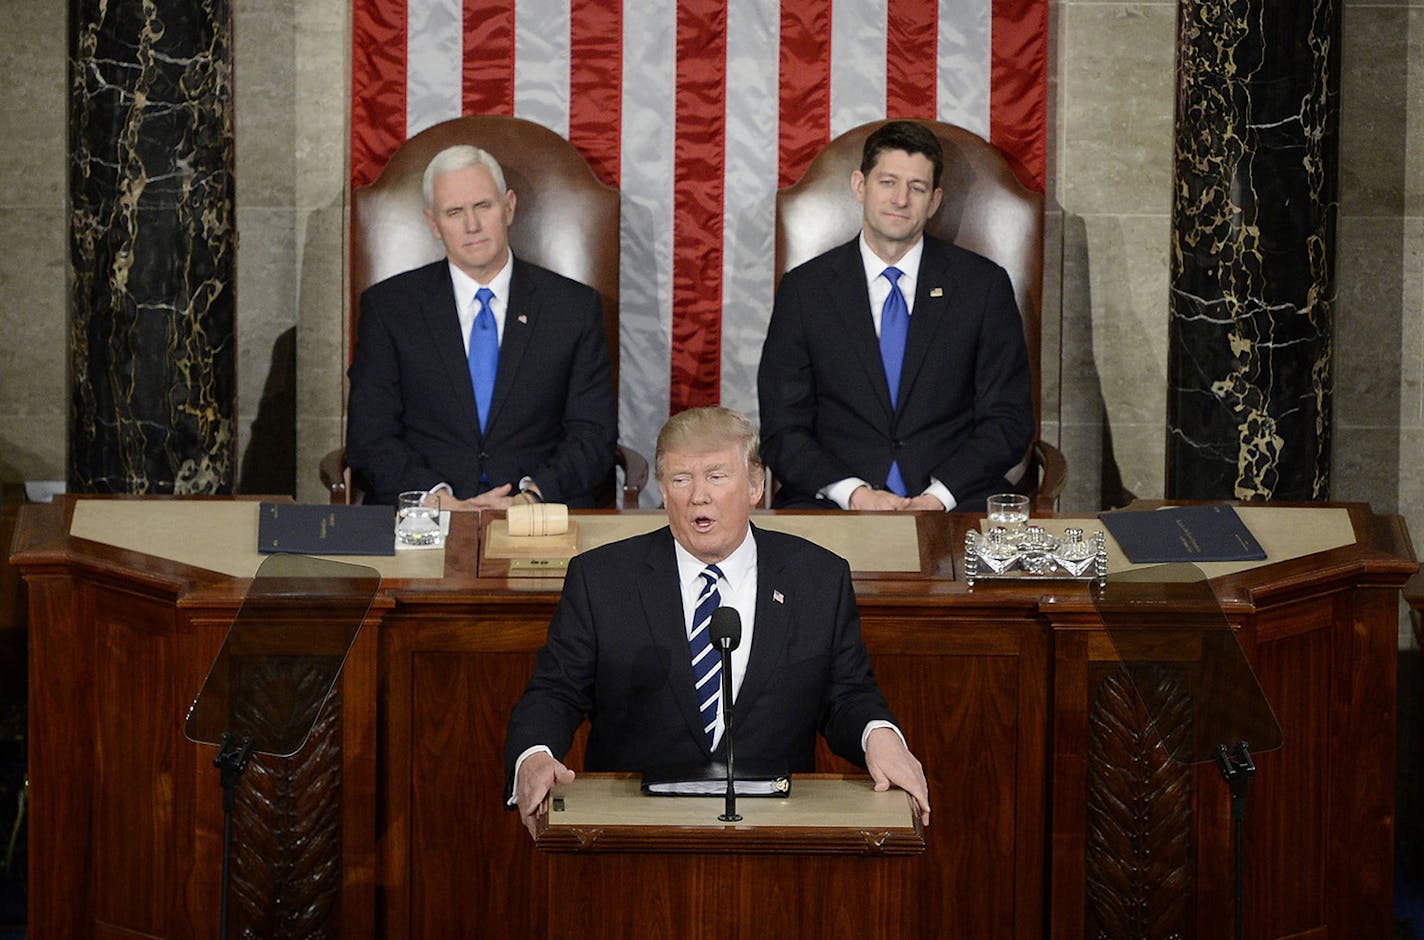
{"type": "Point", "coordinates": [412, 420]}
{"type": "Point", "coordinates": [617, 653]}
{"type": "Point", "coordinates": [964, 410]}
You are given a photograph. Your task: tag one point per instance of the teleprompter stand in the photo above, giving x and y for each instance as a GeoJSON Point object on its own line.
{"type": "Point", "coordinates": [278, 665]}
{"type": "Point", "coordinates": [1193, 679]}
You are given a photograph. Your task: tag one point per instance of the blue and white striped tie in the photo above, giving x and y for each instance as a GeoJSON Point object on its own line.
{"type": "Point", "coordinates": [707, 662]}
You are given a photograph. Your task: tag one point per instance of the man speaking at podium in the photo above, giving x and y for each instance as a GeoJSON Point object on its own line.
{"type": "Point", "coordinates": [624, 651]}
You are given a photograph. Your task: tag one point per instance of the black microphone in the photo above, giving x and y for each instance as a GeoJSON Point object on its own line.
{"type": "Point", "coordinates": [726, 628]}
{"type": "Point", "coordinates": [725, 631]}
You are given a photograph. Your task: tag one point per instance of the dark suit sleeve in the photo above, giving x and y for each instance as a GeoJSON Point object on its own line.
{"type": "Point", "coordinates": [788, 397]}
{"type": "Point", "coordinates": [852, 698]}
{"type": "Point", "coordinates": [560, 693]}
{"type": "Point", "coordinates": [376, 446]}
{"type": "Point", "coordinates": [1003, 425]}
{"type": "Point", "coordinates": [589, 436]}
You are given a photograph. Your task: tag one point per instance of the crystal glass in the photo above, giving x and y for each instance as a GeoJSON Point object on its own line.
{"type": "Point", "coordinates": [418, 518]}
{"type": "Point", "coordinates": [1009, 510]}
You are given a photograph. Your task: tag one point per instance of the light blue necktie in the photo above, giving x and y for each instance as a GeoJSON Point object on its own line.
{"type": "Point", "coordinates": [707, 662]}
{"type": "Point", "coordinates": [484, 354]}
{"type": "Point", "coordinates": [894, 326]}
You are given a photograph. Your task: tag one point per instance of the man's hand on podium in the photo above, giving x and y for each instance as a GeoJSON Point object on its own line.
{"type": "Point", "coordinates": [539, 774]}
{"type": "Point", "coordinates": [891, 764]}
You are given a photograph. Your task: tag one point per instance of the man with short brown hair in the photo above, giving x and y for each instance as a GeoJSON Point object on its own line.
{"type": "Point", "coordinates": [895, 375]}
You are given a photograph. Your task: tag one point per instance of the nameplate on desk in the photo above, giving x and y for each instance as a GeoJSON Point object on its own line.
{"type": "Point", "coordinates": [318, 529]}
{"type": "Point", "coordinates": [539, 565]}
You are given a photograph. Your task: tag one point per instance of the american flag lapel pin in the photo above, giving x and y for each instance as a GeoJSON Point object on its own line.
{"type": "Point", "coordinates": [777, 596]}
{"type": "Point", "coordinates": [936, 291]}
{"type": "Point", "coordinates": [523, 318]}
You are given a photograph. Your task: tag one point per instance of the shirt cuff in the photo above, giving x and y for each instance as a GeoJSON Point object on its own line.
{"type": "Point", "coordinates": [941, 492]}
{"type": "Point", "coordinates": [514, 797]}
{"type": "Point", "coordinates": [864, 736]}
{"type": "Point", "coordinates": [839, 491]}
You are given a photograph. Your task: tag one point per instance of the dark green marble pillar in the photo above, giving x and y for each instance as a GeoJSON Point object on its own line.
{"type": "Point", "coordinates": [1253, 249]}
{"type": "Point", "coordinates": [152, 359]}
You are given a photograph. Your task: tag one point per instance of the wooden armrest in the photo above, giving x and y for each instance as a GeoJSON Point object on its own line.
{"type": "Point", "coordinates": [635, 475]}
{"type": "Point", "coordinates": [333, 474]}
{"type": "Point", "coordinates": [1052, 468]}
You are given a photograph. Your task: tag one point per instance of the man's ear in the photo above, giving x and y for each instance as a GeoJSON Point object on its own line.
{"type": "Point", "coordinates": [508, 207]}
{"type": "Point", "coordinates": [857, 186]}
{"type": "Point", "coordinates": [434, 229]}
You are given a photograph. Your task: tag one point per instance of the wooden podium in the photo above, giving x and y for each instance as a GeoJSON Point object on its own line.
{"type": "Point", "coordinates": [393, 819]}
{"type": "Point", "coordinates": [622, 864]}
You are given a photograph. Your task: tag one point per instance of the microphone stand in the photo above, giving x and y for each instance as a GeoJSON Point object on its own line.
{"type": "Point", "coordinates": [1237, 768]}
{"type": "Point", "coordinates": [232, 759]}
{"type": "Point", "coordinates": [731, 808]}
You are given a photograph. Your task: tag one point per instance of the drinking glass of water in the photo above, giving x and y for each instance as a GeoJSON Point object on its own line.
{"type": "Point", "coordinates": [1009, 510]}
{"type": "Point", "coordinates": [418, 518]}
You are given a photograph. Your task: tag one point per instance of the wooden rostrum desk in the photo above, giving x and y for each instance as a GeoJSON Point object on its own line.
{"type": "Point", "coordinates": [391, 823]}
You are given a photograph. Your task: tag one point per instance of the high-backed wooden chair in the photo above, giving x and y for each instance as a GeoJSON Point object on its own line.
{"type": "Point", "coordinates": [985, 209]}
{"type": "Point", "coordinates": [566, 220]}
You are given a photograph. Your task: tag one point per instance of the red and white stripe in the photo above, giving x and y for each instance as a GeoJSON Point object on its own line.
{"type": "Point", "coordinates": [697, 111]}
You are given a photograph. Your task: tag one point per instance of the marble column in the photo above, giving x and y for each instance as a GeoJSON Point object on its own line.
{"type": "Point", "coordinates": [151, 247]}
{"type": "Point", "coordinates": [1253, 249]}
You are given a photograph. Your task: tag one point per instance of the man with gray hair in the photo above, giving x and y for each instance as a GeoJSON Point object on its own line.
{"type": "Point", "coordinates": [628, 647]}
{"type": "Point", "coordinates": [481, 374]}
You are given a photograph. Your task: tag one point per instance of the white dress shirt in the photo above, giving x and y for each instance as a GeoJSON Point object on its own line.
{"type": "Point", "coordinates": [468, 307]}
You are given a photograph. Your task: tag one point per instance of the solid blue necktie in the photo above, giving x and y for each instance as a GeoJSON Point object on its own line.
{"type": "Point", "coordinates": [707, 662]}
{"type": "Point", "coordinates": [484, 354]}
{"type": "Point", "coordinates": [894, 327]}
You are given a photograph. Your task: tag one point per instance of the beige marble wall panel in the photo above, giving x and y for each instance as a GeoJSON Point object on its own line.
{"type": "Point", "coordinates": [1369, 269]}
{"type": "Point", "coordinates": [264, 66]}
{"type": "Point", "coordinates": [1128, 280]}
{"type": "Point", "coordinates": [1379, 410]}
{"type": "Point", "coordinates": [1112, 133]}
{"type": "Point", "coordinates": [321, 346]}
{"type": "Point", "coordinates": [33, 77]}
{"type": "Point", "coordinates": [315, 435]}
{"type": "Point", "coordinates": [266, 276]}
{"type": "Point", "coordinates": [1050, 322]}
{"type": "Point", "coordinates": [264, 70]}
{"type": "Point", "coordinates": [1137, 450]}
{"type": "Point", "coordinates": [1081, 401]}
{"type": "Point", "coordinates": [1115, 107]}
{"type": "Point", "coordinates": [1411, 483]}
{"type": "Point", "coordinates": [34, 395]}
{"type": "Point", "coordinates": [32, 447]}
{"type": "Point", "coordinates": [1411, 366]}
{"type": "Point", "coordinates": [1366, 466]}
{"type": "Point", "coordinates": [291, 98]}
{"type": "Point", "coordinates": [1374, 98]}
{"type": "Point", "coordinates": [1414, 121]}
{"type": "Point", "coordinates": [322, 83]}
{"type": "Point", "coordinates": [1081, 392]}
{"type": "Point", "coordinates": [32, 295]}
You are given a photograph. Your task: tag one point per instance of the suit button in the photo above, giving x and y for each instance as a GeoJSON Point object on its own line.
{"type": "Point", "coordinates": [484, 456]}
{"type": "Point", "coordinates": [897, 444]}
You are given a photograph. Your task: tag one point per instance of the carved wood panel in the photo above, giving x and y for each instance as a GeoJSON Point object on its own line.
{"type": "Point", "coordinates": [1139, 839]}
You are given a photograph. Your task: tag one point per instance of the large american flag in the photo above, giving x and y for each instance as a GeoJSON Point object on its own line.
{"type": "Point", "coordinates": [698, 111]}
